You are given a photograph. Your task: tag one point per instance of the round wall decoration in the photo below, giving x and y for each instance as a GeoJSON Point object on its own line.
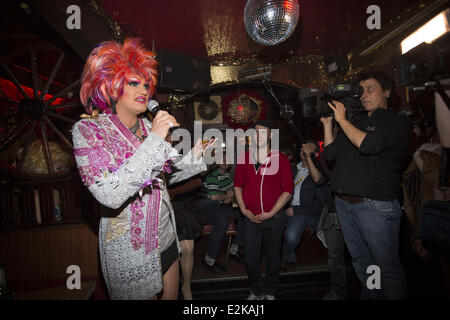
{"type": "Point", "coordinates": [208, 110]}
{"type": "Point", "coordinates": [242, 108]}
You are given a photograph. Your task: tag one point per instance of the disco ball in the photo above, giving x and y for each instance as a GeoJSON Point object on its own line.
{"type": "Point", "coordinates": [270, 22]}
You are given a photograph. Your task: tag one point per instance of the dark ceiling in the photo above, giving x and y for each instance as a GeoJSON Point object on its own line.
{"type": "Point", "coordinates": [208, 29]}
{"type": "Point", "coordinates": [215, 29]}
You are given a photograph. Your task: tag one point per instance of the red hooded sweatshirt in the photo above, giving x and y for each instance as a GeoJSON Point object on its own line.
{"type": "Point", "coordinates": [261, 188]}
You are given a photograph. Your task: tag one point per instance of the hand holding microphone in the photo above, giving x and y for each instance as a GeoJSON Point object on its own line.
{"type": "Point", "coordinates": [162, 120]}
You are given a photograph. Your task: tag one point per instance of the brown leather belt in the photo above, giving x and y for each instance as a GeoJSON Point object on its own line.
{"type": "Point", "coordinates": [350, 199]}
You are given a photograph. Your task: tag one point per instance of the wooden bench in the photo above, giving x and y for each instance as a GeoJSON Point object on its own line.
{"type": "Point", "coordinates": [60, 293]}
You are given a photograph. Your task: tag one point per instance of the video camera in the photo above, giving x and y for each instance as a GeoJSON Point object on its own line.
{"type": "Point", "coordinates": [425, 66]}
{"type": "Point", "coordinates": [314, 103]}
{"type": "Point", "coordinates": [426, 62]}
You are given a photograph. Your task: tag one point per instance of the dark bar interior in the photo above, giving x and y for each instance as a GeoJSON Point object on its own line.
{"type": "Point", "coordinates": [373, 167]}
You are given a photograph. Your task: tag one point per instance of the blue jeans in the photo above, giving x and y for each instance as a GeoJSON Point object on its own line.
{"type": "Point", "coordinates": [371, 233]}
{"type": "Point", "coordinates": [296, 225]}
{"type": "Point", "coordinates": [219, 216]}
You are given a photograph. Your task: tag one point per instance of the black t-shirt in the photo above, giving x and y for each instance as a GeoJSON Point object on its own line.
{"type": "Point", "coordinates": [373, 170]}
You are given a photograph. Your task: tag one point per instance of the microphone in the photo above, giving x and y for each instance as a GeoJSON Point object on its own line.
{"type": "Point", "coordinates": [153, 107]}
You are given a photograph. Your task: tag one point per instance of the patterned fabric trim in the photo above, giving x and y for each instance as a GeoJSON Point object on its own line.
{"type": "Point", "coordinates": [136, 216]}
{"type": "Point", "coordinates": [152, 220]}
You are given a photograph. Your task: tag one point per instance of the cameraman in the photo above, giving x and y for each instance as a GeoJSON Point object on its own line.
{"type": "Point", "coordinates": [366, 182]}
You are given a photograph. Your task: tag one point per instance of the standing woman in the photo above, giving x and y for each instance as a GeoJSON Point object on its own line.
{"type": "Point", "coordinates": [121, 158]}
{"type": "Point", "coordinates": [189, 227]}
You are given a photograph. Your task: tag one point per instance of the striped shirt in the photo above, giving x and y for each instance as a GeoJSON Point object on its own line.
{"type": "Point", "coordinates": [216, 183]}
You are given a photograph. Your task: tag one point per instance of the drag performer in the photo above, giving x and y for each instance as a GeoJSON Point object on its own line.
{"type": "Point", "coordinates": [121, 157]}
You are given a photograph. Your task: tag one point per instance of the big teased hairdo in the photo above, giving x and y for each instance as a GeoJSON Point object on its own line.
{"type": "Point", "coordinates": [107, 70]}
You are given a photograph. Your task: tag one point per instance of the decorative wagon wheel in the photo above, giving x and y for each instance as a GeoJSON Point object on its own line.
{"type": "Point", "coordinates": [38, 106]}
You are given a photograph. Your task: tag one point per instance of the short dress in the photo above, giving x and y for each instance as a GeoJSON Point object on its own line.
{"type": "Point", "coordinates": [188, 221]}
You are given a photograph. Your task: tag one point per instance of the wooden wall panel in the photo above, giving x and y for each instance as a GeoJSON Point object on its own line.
{"type": "Point", "coordinates": [43, 253]}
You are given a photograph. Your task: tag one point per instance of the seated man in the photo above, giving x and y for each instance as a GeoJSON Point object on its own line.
{"type": "Point", "coordinates": [306, 205]}
{"type": "Point", "coordinates": [215, 205]}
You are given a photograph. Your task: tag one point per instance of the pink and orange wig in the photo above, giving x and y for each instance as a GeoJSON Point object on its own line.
{"type": "Point", "coordinates": [107, 70]}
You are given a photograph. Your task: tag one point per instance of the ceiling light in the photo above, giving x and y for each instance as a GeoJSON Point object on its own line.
{"type": "Point", "coordinates": [430, 31]}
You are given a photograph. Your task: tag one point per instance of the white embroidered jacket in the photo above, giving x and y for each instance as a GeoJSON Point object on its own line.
{"type": "Point", "coordinates": [114, 170]}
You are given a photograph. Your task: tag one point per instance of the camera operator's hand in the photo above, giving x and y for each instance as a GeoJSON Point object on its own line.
{"type": "Point", "coordinates": [355, 135]}
{"type": "Point", "coordinates": [339, 110]}
{"type": "Point", "coordinates": [326, 121]}
{"type": "Point", "coordinates": [328, 137]}
{"type": "Point", "coordinates": [162, 123]}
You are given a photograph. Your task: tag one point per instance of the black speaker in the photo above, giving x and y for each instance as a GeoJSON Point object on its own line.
{"type": "Point", "coordinates": [336, 65]}
{"type": "Point", "coordinates": [183, 73]}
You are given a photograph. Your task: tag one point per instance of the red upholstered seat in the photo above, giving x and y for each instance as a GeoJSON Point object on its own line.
{"type": "Point", "coordinates": [207, 228]}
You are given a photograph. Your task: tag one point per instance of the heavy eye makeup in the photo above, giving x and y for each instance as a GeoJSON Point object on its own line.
{"type": "Point", "coordinates": [136, 83]}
